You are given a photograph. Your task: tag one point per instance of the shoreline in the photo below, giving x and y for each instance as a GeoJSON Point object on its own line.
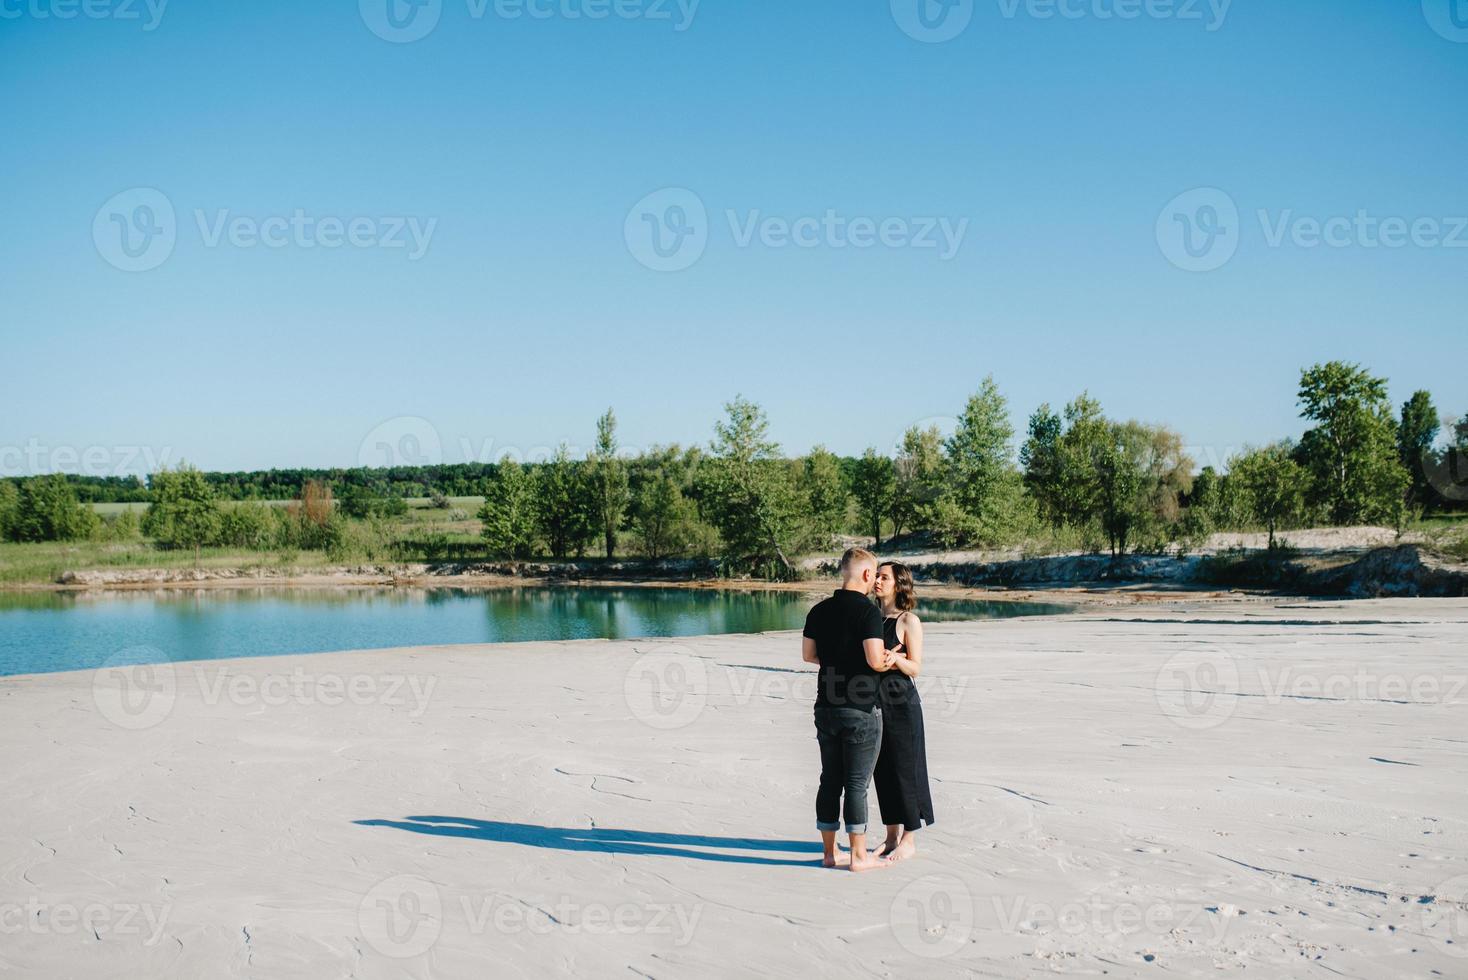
{"type": "Point", "coordinates": [1117, 593]}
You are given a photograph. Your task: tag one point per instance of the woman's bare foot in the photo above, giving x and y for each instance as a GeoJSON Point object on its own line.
{"type": "Point", "coordinates": [840, 860]}
{"type": "Point", "coordinates": [886, 847]}
{"type": "Point", "coordinates": [868, 863]}
{"type": "Point", "coordinates": [905, 849]}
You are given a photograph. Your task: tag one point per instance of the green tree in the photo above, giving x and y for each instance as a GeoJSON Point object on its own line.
{"type": "Point", "coordinates": [507, 516]}
{"type": "Point", "coordinates": [361, 501]}
{"type": "Point", "coordinates": [657, 513]}
{"type": "Point", "coordinates": [46, 509]}
{"type": "Point", "coordinates": [608, 481]}
{"type": "Point", "coordinates": [748, 492]}
{"type": "Point", "coordinates": [184, 512]}
{"type": "Point", "coordinates": [1088, 436]}
{"type": "Point", "coordinates": [9, 509]}
{"type": "Point", "coordinates": [564, 504]}
{"type": "Point", "coordinates": [247, 525]}
{"type": "Point", "coordinates": [918, 483]}
{"type": "Point", "coordinates": [1220, 499]}
{"type": "Point", "coordinates": [666, 496]}
{"type": "Point", "coordinates": [1125, 480]}
{"type": "Point", "coordinates": [951, 525]}
{"type": "Point", "coordinates": [356, 500]}
{"type": "Point", "coordinates": [1169, 475]}
{"type": "Point", "coordinates": [1123, 501]}
{"type": "Point", "coordinates": [1039, 457]}
{"type": "Point", "coordinates": [826, 494]}
{"type": "Point", "coordinates": [874, 484]}
{"type": "Point", "coordinates": [1273, 484]}
{"type": "Point", "coordinates": [980, 460]}
{"type": "Point", "coordinates": [1416, 438]}
{"type": "Point", "coordinates": [1356, 474]}
{"type": "Point", "coordinates": [126, 525]}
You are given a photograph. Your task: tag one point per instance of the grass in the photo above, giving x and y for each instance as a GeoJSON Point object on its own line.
{"type": "Point", "coordinates": [44, 561]}
{"type": "Point", "coordinates": [1257, 569]}
{"type": "Point", "coordinates": [1447, 534]}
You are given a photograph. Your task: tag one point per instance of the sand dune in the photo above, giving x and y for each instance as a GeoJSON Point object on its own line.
{"type": "Point", "coordinates": [1272, 785]}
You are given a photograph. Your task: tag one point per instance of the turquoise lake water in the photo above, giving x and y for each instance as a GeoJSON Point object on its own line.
{"type": "Point", "coordinates": [44, 632]}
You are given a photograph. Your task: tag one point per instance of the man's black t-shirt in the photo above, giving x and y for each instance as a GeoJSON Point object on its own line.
{"type": "Point", "coordinates": [839, 625]}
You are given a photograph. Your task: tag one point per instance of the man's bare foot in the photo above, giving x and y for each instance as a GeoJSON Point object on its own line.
{"type": "Point", "coordinates": [904, 850]}
{"type": "Point", "coordinates": [841, 860]}
{"type": "Point", "coordinates": [885, 848]}
{"type": "Point", "coordinates": [868, 863]}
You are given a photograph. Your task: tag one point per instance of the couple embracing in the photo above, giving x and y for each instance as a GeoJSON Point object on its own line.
{"type": "Point", "coordinates": [869, 718]}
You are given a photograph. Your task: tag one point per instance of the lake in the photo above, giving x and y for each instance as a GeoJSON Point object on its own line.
{"type": "Point", "coordinates": [41, 632]}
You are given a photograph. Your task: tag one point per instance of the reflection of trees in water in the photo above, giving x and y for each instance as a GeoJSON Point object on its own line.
{"type": "Point", "coordinates": [953, 610]}
{"type": "Point", "coordinates": [575, 612]}
{"type": "Point", "coordinates": [37, 600]}
{"type": "Point", "coordinates": [582, 610]}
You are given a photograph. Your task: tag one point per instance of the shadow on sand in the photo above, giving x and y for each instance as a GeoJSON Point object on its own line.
{"type": "Point", "coordinates": [605, 840]}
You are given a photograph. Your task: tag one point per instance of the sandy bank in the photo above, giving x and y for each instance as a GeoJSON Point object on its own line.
{"type": "Point", "coordinates": [1187, 787]}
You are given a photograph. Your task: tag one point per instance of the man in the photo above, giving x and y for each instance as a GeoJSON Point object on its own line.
{"type": "Point", "coordinates": [844, 635]}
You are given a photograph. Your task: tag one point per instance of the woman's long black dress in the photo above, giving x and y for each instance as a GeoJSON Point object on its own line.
{"type": "Point", "coordinates": [901, 776]}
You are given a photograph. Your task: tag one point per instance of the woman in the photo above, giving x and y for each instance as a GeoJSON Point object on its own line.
{"type": "Point", "coordinates": [901, 777]}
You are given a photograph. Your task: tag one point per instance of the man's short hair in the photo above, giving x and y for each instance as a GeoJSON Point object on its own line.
{"type": "Point", "coordinates": [856, 556]}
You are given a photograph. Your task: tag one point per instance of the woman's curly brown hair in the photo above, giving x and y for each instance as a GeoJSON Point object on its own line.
{"type": "Point", "coordinates": [904, 596]}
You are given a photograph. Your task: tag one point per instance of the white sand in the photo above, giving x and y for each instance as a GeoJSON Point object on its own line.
{"type": "Point", "coordinates": [1312, 820]}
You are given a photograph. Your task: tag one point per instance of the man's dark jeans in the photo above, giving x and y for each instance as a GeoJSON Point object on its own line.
{"type": "Point", "coordinates": [849, 739]}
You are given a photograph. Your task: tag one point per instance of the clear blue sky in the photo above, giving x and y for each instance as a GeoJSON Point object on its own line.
{"type": "Point", "coordinates": [1060, 140]}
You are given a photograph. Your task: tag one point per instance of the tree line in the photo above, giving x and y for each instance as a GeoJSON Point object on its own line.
{"type": "Point", "coordinates": [1078, 477]}
{"type": "Point", "coordinates": [448, 479]}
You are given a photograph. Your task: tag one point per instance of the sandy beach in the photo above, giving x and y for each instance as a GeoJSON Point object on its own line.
{"type": "Point", "coordinates": [1197, 788]}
